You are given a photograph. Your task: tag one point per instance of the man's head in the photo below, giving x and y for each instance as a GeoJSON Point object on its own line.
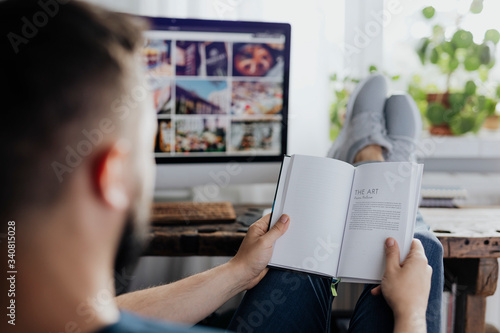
{"type": "Point", "coordinates": [77, 127]}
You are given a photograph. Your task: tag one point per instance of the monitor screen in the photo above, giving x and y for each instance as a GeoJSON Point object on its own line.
{"type": "Point", "coordinates": [220, 89]}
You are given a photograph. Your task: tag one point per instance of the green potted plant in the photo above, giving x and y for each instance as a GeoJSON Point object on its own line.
{"type": "Point", "coordinates": [457, 110]}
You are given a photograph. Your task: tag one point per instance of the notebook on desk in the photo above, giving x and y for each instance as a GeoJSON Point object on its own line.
{"type": "Point", "coordinates": [442, 197]}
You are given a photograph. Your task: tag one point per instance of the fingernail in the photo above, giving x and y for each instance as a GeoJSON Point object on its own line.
{"type": "Point", "coordinates": [284, 218]}
{"type": "Point", "coordinates": [389, 242]}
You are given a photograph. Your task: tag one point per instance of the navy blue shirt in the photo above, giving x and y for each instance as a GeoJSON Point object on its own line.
{"type": "Point", "coordinates": [130, 323]}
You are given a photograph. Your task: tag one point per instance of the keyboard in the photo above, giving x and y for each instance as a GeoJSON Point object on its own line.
{"type": "Point", "coordinates": [192, 213]}
{"type": "Point", "coordinates": [251, 215]}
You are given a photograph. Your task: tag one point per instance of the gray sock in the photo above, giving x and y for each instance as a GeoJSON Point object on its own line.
{"type": "Point", "coordinates": [404, 126]}
{"type": "Point", "coordinates": [365, 121]}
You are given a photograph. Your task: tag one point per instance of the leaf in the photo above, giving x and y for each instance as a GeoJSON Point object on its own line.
{"type": "Point", "coordinates": [462, 39]}
{"type": "Point", "coordinates": [434, 58]}
{"type": "Point", "coordinates": [422, 49]}
{"type": "Point", "coordinates": [436, 113]}
{"type": "Point", "coordinates": [457, 104]}
{"type": "Point", "coordinates": [449, 114]}
{"type": "Point", "coordinates": [438, 32]}
{"type": "Point", "coordinates": [428, 12]}
{"type": "Point", "coordinates": [491, 64]}
{"type": "Point", "coordinates": [462, 124]}
{"type": "Point", "coordinates": [486, 105]}
{"type": "Point", "coordinates": [483, 73]}
{"type": "Point", "coordinates": [492, 35]}
{"type": "Point", "coordinates": [452, 64]}
{"type": "Point", "coordinates": [449, 48]}
{"type": "Point", "coordinates": [457, 100]}
{"type": "Point", "coordinates": [443, 61]}
{"type": "Point", "coordinates": [372, 69]}
{"type": "Point", "coordinates": [480, 118]}
{"type": "Point", "coordinates": [491, 107]}
{"type": "Point", "coordinates": [472, 63]}
{"type": "Point", "coordinates": [486, 52]}
{"type": "Point", "coordinates": [470, 88]}
{"type": "Point", "coordinates": [476, 6]}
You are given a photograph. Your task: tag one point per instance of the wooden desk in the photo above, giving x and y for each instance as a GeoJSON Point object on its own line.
{"type": "Point", "coordinates": [470, 238]}
{"type": "Point", "coordinates": [471, 246]}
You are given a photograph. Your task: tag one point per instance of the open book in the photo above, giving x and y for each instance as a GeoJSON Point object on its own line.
{"type": "Point", "coordinates": [340, 215]}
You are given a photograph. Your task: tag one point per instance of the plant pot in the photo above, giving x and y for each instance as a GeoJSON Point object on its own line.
{"type": "Point", "coordinates": [442, 130]}
{"type": "Point", "coordinates": [492, 122]}
{"type": "Point", "coordinates": [440, 98]}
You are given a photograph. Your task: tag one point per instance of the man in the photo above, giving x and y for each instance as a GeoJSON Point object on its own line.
{"type": "Point", "coordinates": [77, 132]}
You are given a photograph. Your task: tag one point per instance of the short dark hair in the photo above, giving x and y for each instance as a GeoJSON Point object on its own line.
{"type": "Point", "coordinates": [60, 62]}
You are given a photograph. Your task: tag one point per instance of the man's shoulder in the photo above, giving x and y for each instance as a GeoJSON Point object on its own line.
{"type": "Point", "coordinates": [130, 323]}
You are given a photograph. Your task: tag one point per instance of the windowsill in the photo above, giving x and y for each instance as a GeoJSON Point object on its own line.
{"type": "Point", "coordinates": [484, 145]}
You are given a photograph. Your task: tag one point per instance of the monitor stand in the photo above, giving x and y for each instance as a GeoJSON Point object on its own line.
{"type": "Point", "coordinates": [179, 194]}
{"type": "Point", "coordinates": [237, 194]}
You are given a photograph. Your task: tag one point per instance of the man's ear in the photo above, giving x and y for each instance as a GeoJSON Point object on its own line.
{"type": "Point", "coordinates": [111, 175]}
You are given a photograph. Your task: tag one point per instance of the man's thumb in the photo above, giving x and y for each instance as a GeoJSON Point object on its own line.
{"type": "Point", "coordinates": [278, 228]}
{"type": "Point", "coordinates": [392, 253]}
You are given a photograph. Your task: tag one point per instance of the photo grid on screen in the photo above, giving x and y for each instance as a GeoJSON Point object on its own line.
{"type": "Point", "coordinates": [216, 97]}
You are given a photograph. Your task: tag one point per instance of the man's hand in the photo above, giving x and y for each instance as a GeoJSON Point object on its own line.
{"type": "Point", "coordinates": [194, 298]}
{"type": "Point", "coordinates": [406, 287]}
{"type": "Point", "coordinates": [256, 249]}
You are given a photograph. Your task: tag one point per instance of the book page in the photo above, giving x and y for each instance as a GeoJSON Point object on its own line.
{"type": "Point", "coordinates": [414, 201]}
{"type": "Point", "coordinates": [316, 199]}
{"type": "Point", "coordinates": [380, 205]}
{"type": "Point", "coordinates": [280, 189]}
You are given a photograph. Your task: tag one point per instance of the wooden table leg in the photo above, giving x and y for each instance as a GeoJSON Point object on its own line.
{"type": "Point", "coordinates": [486, 284]}
{"type": "Point", "coordinates": [476, 279]}
{"type": "Point", "coordinates": [475, 312]}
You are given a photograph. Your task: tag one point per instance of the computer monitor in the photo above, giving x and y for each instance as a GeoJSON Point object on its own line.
{"type": "Point", "coordinates": [221, 96]}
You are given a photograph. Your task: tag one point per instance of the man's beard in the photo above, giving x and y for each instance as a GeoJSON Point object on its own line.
{"type": "Point", "coordinates": [129, 251]}
{"type": "Point", "coordinates": [132, 243]}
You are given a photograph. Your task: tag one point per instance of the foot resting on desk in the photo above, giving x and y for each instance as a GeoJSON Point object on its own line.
{"type": "Point", "coordinates": [388, 127]}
